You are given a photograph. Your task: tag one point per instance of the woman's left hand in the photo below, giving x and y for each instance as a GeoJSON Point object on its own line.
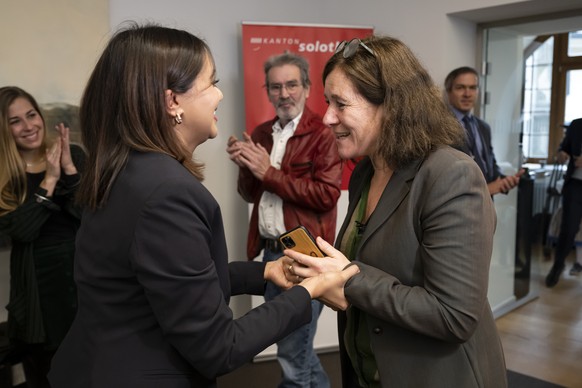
{"type": "Point", "coordinates": [66, 160]}
{"type": "Point", "coordinates": [305, 266]}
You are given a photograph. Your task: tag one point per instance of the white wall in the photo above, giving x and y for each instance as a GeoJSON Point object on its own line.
{"type": "Point", "coordinates": [50, 47]}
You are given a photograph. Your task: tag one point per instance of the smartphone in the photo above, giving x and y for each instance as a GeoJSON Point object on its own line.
{"type": "Point", "coordinates": [299, 239]}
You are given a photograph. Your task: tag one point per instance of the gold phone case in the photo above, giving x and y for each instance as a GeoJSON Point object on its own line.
{"type": "Point", "coordinates": [299, 239]}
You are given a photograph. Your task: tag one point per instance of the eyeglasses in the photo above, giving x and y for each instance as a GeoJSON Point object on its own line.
{"type": "Point", "coordinates": [350, 48]}
{"type": "Point", "coordinates": [276, 89]}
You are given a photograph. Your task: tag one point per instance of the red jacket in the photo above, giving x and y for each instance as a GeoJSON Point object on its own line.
{"type": "Point", "coordinates": [308, 182]}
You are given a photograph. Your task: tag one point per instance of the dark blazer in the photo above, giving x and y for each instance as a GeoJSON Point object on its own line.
{"type": "Point", "coordinates": [572, 145]}
{"type": "Point", "coordinates": [424, 259]}
{"type": "Point", "coordinates": [154, 285]}
{"type": "Point", "coordinates": [493, 170]}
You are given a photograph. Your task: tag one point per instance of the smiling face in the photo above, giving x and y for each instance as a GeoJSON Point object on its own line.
{"type": "Point", "coordinates": [354, 120]}
{"type": "Point", "coordinates": [287, 103]}
{"type": "Point", "coordinates": [463, 93]}
{"type": "Point", "coordinates": [26, 124]}
{"type": "Point", "coordinates": [198, 106]}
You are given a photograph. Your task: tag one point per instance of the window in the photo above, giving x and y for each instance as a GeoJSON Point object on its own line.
{"type": "Point", "coordinates": [575, 44]}
{"type": "Point", "coordinates": [573, 90]}
{"type": "Point", "coordinates": [537, 98]}
{"type": "Point", "coordinates": [573, 103]}
{"type": "Point", "coordinates": [552, 93]}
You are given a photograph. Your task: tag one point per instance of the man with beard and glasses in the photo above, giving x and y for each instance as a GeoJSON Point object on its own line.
{"type": "Point", "coordinates": [291, 171]}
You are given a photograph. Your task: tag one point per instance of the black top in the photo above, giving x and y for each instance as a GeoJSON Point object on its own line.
{"type": "Point", "coordinates": [42, 292]}
{"type": "Point", "coordinates": [572, 145]}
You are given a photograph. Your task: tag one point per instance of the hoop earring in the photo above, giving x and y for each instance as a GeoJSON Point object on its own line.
{"type": "Point", "coordinates": [178, 118]}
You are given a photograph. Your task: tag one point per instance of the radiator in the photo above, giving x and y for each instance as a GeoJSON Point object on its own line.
{"type": "Point", "coordinates": [539, 195]}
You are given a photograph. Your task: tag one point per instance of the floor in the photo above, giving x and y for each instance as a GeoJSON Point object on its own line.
{"type": "Point", "coordinates": [543, 338]}
{"type": "Point", "coordinates": [266, 374]}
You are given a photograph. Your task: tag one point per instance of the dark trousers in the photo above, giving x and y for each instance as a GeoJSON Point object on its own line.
{"type": "Point", "coordinates": [36, 361]}
{"type": "Point", "coordinates": [571, 216]}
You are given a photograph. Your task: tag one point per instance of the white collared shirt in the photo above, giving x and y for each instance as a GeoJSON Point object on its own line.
{"type": "Point", "coordinates": [271, 221]}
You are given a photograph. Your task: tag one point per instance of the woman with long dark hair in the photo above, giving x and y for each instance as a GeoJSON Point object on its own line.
{"type": "Point", "coordinates": [152, 269]}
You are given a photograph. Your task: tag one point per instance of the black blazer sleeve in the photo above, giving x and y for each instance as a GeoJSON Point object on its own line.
{"type": "Point", "coordinates": [176, 257]}
{"type": "Point", "coordinates": [246, 277]}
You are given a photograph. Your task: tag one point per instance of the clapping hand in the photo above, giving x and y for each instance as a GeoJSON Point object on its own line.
{"type": "Point", "coordinates": [248, 154]}
{"type": "Point", "coordinates": [66, 161]}
{"type": "Point", "coordinates": [53, 165]}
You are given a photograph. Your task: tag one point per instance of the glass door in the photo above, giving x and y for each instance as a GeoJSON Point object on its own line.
{"type": "Point", "coordinates": [501, 105]}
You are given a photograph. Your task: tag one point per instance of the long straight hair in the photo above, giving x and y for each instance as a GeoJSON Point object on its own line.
{"type": "Point", "coordinates": [124, 108]}
{"type": "Point", "coordinates": [12, 167]}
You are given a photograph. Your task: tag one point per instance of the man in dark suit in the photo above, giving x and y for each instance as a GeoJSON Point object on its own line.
{"type": "Point", "coordinates": [569, 150]}
{"type": "Point", "coordinates": [462, 89]}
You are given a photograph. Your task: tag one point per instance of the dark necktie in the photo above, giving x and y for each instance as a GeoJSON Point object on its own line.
{"type": "Point", "coordinates": [473, 148]}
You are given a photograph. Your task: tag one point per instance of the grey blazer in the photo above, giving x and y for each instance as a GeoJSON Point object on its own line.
{"type": "Point", "coordinates": [424, 259]}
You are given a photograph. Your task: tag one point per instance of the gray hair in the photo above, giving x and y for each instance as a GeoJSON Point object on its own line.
{"type": "Point", "coordinates": [288, 58]}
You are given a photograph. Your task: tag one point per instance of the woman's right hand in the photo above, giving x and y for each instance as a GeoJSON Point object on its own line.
{"type": "Point", "coordinates": [53, 168]}
{"type": "Point", "coordinates": [307, 266]}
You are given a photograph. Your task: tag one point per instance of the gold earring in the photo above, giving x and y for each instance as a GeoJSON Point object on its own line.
{"type": "Point", "coordinates": [178, 118]}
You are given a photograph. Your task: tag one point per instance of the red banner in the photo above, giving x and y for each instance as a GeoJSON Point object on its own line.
{"type": "Point", "coordinates": [315, 43]}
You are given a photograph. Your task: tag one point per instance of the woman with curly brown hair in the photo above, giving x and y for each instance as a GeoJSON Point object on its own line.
{"type": "Point", "coordinates": [419, 226]}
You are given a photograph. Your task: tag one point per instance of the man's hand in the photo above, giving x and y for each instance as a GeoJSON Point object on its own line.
{"type": "Point", "coordinates": [562, 157]}
{"type": "Point", "coordinates": [254, 157]}
{"type": "Point", "coordinates": [503, 185]}
{"type": "Point", "coordinates": [233, 149]}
